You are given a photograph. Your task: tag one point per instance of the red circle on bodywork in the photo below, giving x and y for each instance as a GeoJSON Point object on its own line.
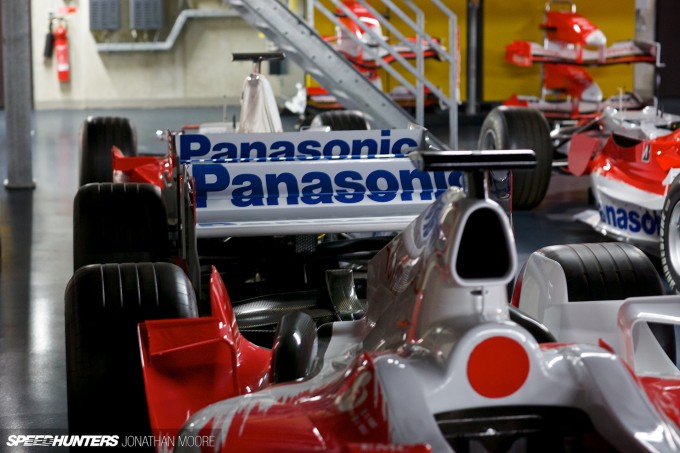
{"type": "Point", "coordinates": [498, 367]}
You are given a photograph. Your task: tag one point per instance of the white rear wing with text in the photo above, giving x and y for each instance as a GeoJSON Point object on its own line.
{"type": "Point", "coordinates": [308, 182]}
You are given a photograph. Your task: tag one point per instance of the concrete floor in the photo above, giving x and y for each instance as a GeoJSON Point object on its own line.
{"type": "Point", "coordinates": [36, 235]}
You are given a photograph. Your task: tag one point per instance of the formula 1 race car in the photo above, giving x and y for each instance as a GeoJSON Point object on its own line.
{"type": "Point", "coordinates": [570, 101]}
{"type": "Point", "coordinates": [634, 177]}
{"type": "Point", "coordinates": [441, 362]}
{"type": "Point", "coordinates": [632, 157]}
{"type": "Point", "coordinates": [259, 210]}
{"type": "Point", "coordinates": [431, 357]}
{"type": "Point", "coordinates": [234, 291]}
{"type": "Point", "coordinates": [571, 41]}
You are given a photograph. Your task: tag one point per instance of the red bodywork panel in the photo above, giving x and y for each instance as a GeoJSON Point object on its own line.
{"type": "Point", "coordinates": [144, 169]}
{"type": "Point", "coordinates": [665, 394]}
{"type": "Point", "coordinates": [567, 26]}
{"type": "Point", "coordinates": [571, 80]}
{"type": "Point", "coordinates": [643, 165]}
{"type": "Point", "coordinates": [345, 415]}
{"type": "Point", "coordinates": [191, 363]}
{"type": "Point", "coordinates": [582, 149]}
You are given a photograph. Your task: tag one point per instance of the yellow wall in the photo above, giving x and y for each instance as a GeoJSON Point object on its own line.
{"type": "Point", "coordinates": [507, 20]}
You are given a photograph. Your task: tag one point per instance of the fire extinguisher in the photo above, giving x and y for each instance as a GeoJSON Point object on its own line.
{"type": "Point", "coordinates": [61, 51]}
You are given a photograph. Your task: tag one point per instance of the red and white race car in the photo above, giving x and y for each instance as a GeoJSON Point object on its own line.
{"type": "Point", "coordinates": [634, 165]}
{"type": "Point", "coordinates": [570, 101]}
{"type": "Point", "coordinates": [633, 159]}
{"type": "Point", "coordinates": [439, 361]}
{"type": "Point", "coordinates": [571, 42]}
{"type": "Point", "coordinates": [234, 300]}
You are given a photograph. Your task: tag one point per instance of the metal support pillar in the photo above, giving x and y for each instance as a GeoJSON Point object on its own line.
{"type": "Point", "coordinates": [18, 104]}
{"type": "Point", "coordinates": [474, 64]}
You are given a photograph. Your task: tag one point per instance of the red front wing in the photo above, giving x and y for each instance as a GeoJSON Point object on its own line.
{"type": "Point", "coordinates": [191, 363]}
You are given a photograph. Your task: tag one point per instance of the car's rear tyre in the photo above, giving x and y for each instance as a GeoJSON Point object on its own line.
{"type": "Point", "coordinates": [521, 128]}
{"type": "Point", "coordinates": [97, 136]}
{"type": "Point", "coordinates": [669, 237]}
{"type": "Point", "coordinates": [104, 304]}
{"type": "Point", "coordinates": [119, 222]}
{"type": "Point", "coordinates": [342, 120]}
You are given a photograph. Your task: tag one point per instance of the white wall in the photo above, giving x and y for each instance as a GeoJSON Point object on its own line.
{"type": "Point", "coordinates": [197, 71]}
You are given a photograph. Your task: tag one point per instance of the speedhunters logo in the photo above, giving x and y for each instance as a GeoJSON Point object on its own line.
{"type": "Point", "coordinates": [632, 220]}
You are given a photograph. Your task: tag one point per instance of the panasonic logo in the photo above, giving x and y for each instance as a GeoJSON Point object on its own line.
{"type": "Point", "coordinates": [243, 187]}
{"type": "Point", "coordinates": [296, 145]}
{"type": "Point", "coordinates": [630, 220]}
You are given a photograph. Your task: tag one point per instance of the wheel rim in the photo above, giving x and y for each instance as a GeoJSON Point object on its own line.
{"type": "Point", "coordinates": [673, 235]}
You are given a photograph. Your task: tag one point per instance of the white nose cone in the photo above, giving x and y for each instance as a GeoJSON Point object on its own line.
{"type": "Point", "coordinates": [596, 38]}
{"type": "Point", "coordinates": [592, 94]}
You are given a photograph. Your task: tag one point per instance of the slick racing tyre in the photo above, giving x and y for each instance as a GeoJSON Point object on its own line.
{"type": "Point", "coordinates": [669, 237]}
{"type": "Point", "coordinates": [611, 271]}
{"type": "Point", "coordinates": [605, 271]}
{"type": "Point", "coordinates": [104, 304]}
{"type": "Point", "coordinates": [521, 128]}
{"type": "Point", "coordinates": [121, 222]}
{"type": "Point", "coordinates": [342, 120]}
{"type": "Point", "coordinates": [97, 136]}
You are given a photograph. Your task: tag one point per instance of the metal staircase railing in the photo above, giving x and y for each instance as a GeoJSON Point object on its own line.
{"type": "Point", "coordinates": [415, 27]}
{"type": "Point", "coordinates": [303, 44]}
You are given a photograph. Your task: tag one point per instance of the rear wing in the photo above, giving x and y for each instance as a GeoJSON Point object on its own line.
{"type": "Point", "coordinates": [310, 182]}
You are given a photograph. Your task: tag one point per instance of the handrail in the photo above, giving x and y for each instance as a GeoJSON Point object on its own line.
{"type": "Point", "coordinates": [447, 55]}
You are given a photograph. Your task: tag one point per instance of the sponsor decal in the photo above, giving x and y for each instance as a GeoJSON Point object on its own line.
{"type": "Point", "coordinates": [244, 187]}
{"type": "Point", "coordinates": [633, 220]}
{"type": "Point", "coordinates": [289, 146]}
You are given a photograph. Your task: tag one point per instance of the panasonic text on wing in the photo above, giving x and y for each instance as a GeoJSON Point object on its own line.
{"type": "Point", "coordinates": [296, 145]}
{"type": "Point", "coordinates": [648, 222]}
{"type": "Point", "coordinates": [247, 188]}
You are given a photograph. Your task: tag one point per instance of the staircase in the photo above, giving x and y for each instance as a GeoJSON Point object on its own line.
{"type": "Point", "coordinates": [303, 45]}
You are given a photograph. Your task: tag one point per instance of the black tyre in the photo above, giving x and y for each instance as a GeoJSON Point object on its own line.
{"type": "Point", "coordinates": [521, 128]}
{"type": "Point", "coordinates": [104, 304]}
{"type": "Point", "coordinates": [117, 223]}
{"type": "Point", "coordinates": [611, 271]}
{"type": "Point", "coordinates": [295, 347]}
{"type": "Point", "coordinates": [605, 271]}
{"type": "Point", "coordinates": [342, 120]}
{"type": "Point", "coordinates": [97, 136]}
{"type": "Point", "coordinates": [669, 237]}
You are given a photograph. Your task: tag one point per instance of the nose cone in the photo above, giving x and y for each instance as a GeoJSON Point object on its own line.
{"type": "Point", "coordinates": [596, 38]}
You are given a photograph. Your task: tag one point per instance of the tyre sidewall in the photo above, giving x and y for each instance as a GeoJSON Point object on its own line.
{"type": "Point", "coordinates": [670, 272]}
{"type": "Point", "coordinates": [97, 136]}
{"type": "Point", "coordinates": [521, 128]}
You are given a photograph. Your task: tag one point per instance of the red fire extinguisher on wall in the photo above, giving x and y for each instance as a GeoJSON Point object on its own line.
{"type": "Point", "coordinates": [61, 51]}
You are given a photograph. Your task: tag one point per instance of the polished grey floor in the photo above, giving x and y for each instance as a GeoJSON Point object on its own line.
{"type": "Point", "coordinates": [36, 239]}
